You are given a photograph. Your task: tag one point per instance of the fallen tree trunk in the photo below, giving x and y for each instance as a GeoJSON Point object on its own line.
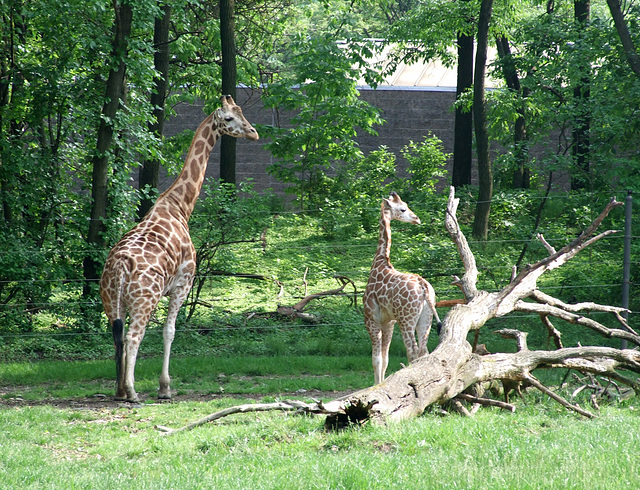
{"type": "Point", "coordinates": [452, 367]}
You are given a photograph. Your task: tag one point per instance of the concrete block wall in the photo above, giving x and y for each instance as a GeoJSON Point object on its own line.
{"type": "Point", "coordinates": [409, 115]}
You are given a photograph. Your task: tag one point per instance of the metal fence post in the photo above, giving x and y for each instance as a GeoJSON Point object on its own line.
{"type": "Point", "coordinates": [626, 260]}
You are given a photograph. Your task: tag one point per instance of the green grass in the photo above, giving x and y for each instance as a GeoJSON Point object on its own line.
{"type": "Point", "coordinates": [538, 447]}
{"type": "Point", "coordinates": [231, 375]}
{"type": "Point", "coordinates": [227, 350]}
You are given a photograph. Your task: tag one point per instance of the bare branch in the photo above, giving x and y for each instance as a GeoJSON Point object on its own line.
{"type": "Point", "coordinates": [486, 401]}
{"type": "Point", "coordinates": [537, 384]}
{"type": "Point", "coordinates": [520, 337]}
{"type": "Point", "coordinates": [470, 278]}
{"type": "Point", "coordinates": [574, 318]}
{"type": "Point", "coordinates": [287, 405]}
{"type": "Point", "coordinates": [554, 333]}
{"type": "Point", "coordinates": [549, 248]}
{"type": "Point", "coordinates": [301, 305]}
{"type": "Point", "coordinates": [617, 311]}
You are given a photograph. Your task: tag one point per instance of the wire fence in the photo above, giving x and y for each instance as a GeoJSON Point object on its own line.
{"type": "Point", "coordinates": [74, 282]}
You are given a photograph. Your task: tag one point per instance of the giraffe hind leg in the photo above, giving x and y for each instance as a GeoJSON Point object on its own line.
{"type": "Point", "coordinates": [387, 335]}
{"type": "Point", "coordinates": [423, 328]}
{"type": "Point", "coordinates": [118, 340]}
{"type": "Point", "coordinates": [164, 391]}
{"type": "Point", "coordinates": [375, 332]}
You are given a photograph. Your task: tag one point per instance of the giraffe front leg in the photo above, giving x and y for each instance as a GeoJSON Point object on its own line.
{"type": "Point", "coordinates": [169, 332]}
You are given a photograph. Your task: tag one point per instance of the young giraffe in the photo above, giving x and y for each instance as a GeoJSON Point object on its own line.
{"type": "Point", "coordinates": [157, 258]}
{"type": "Point", "coordinates": [392, 296]}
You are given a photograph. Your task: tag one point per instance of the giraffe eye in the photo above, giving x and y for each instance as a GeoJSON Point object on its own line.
{"type": "Point", "coordinates": [228, 118]}
{"type": "Point", "coordinates": [403, 210]}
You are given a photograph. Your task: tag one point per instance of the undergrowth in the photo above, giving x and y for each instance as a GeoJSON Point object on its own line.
{"type": "Point", "coordinates": [299, 256]}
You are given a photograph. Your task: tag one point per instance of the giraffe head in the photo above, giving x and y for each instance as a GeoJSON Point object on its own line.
{"type": "Point", "coordinates": [230, 120]}
{"type": "Point", "coordinates": [397, 209]}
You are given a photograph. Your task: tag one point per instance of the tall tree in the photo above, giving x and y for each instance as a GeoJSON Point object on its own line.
{"type": "Point", "coordinates": [581, 96]}
{"type": "Point", "coordinates": [463, 124]}
{"type": "Point", "coordinates": [114, 92]}
{"type": "Point", "coordinates": [629, 46]}
{"type": "Point", "coordinates": [148, 175]}
{"type": "Point", "coordinates": [229, 79]}
{"type": "Point", "coordinates": [521, 173]}
{"type": "Point", "coordinates": [485, 172]}
{"type": "Point", "coordinates": [13, 38]}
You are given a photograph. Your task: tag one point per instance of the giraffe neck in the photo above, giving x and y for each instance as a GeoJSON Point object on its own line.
{"type": "Point", "coordinates": [180, 198]}
{"type": "Point", "coordinates": [384, 243]}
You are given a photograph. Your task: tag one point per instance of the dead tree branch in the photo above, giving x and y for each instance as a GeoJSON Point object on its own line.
{"type": "Point", "coordinates": [537, 384]}
{"type": "Point", "coordinates": [297, 310]}
{"type": "Point", "coordinates": [287, 405]}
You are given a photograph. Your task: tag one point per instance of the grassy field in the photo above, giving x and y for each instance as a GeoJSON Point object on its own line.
{"type": "Point", "coordinates": [61, 428]}
{"type": "Point", "coordinates": [58, 434]}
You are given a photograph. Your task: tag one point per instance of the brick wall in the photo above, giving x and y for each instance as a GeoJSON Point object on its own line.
{"type": "Point", "coordinates": [409, 115]}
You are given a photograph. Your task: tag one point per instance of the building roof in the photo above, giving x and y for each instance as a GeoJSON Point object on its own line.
{"type": "Point", "coordinates": [431, 75]}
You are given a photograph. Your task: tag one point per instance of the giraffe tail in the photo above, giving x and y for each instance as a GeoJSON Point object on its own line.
{"type": "Point", "coordinates": [438, 322]}
{"type": "Point", "coordinates": [118, 340]}
{"type": "Point", "coordinates": [430, 296]}
{"type": "Point", "coordinates": [435, 313]}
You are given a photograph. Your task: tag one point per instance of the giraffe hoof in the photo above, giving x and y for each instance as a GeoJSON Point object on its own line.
{"type": "Point", "coordinates": [164, 394]}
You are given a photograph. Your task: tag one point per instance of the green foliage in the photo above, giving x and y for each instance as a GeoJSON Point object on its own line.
{"type": "Point", "coordinates": [554, 56]}
{"type": "Point", "coordinates": [227, 215]}
{"type": "Point", "coordinates": [427, 162]}
{"type": "Point", "coordinates": [51, 97]}
{"type": "Point", "coordinates": [321, 93]}
{"type": "Point", "coordinates": [359, 187]}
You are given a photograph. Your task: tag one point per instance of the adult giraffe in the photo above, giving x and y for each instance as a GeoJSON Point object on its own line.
{"type": "Point", "coordinates": [157, 258]}
{"type": "Point", "coordinates": [392, 296]}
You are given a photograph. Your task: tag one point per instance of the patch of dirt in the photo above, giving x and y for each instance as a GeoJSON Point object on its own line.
{"type": "Point", "coordinates": [101, 402]}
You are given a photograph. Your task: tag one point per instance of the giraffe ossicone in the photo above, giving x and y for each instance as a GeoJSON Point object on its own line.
{"type": "Point", "coordinates": [156, 258]}
{"type": "Point", "coordinates": [392, 296]}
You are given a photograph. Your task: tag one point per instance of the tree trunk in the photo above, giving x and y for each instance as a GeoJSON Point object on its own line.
{"type": "Point", "coordinates": [463, 133]}
{"type": "Point", "coordinates": [521, 174]}
{"type": "Point", "coordinates": [485, 172]}
{"type": "Point", "coordinates": [581, 95]}
{"type": "Point", "coordinates": [229, 78]}
{"type": "Point", "coordinates": [12, 80]}
{"type": "Point", "coordinates": [100, 160]}
{"type": "Point", "coordinates": [148, 175]}
{"type": "Point", "coordinates": [630, 50]}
